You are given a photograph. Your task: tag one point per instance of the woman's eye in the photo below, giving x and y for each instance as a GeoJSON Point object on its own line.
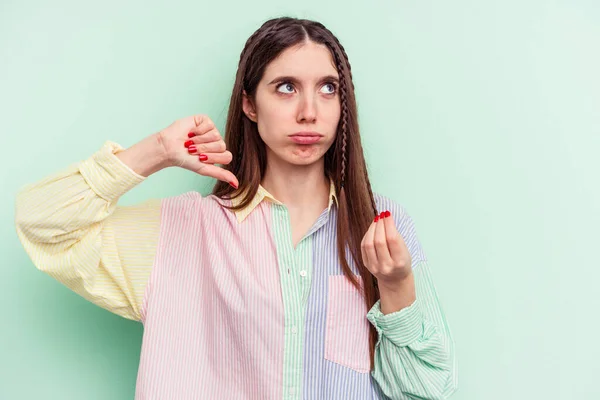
{"type": "Point", "coordinates": [332, 88]}
{"type": "Point", "coordinates": [288, 86]}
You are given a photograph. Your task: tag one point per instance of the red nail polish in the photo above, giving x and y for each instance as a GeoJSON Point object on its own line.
{"type": "Point", "coordinates": [192, 149]}
{"type": "Point", "coordinates": [376, 218]}
{"type": "Point", "coordinates": [188, 143]}
{"type": "Point", "coordinates": [387, 214]}
{"type": "Point", "coordinates": [233, 185]}
{"type": "Point", "coordinates": [203, 157]}
{"type": "Point", "coordinates": [382, 215]}
{"type": "Point", "coordinates": [191, 134]}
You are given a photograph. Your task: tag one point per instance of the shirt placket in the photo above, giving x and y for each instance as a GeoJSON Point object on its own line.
{"type": "Point", "coordinates": [295, 270]}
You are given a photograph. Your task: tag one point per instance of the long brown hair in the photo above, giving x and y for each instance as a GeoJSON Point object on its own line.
{"type": "Point", "coordinates": [355, 197]}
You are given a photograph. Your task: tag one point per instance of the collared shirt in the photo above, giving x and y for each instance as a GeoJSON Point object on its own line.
{"type": "Point", "coordinates": [231, 309]}
{"type": "Point", "coordinates": [263, 195]}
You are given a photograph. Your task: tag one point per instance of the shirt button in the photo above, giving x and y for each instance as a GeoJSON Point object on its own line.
{"type": "Point", "coordinates": [303, 273]}
{"type": "Point", "coordinates": [294, 330]}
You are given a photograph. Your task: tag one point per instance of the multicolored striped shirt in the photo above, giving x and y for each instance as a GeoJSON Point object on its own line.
{"type": "Point", "coordinates": [230, 308]}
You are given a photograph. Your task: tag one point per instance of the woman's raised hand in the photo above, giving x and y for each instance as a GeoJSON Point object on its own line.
{"type": "Point", "coordinates": [194, 143]}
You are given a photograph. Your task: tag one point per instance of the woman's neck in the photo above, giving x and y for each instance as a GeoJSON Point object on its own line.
{"type": "Point", "coordinates": [298, 187]}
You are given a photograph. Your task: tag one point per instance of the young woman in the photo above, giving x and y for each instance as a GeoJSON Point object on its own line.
{"type": "Point", "coordinates": [292, 280]}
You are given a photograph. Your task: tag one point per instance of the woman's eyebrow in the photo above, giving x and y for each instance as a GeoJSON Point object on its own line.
{"type": "Point", "coordinates": [296, 80]}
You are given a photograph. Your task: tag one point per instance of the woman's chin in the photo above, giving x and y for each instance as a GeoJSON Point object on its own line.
{"type": "Point", "coordinates": [298, 155]}
{"type": "Point", "coordinates": [306, 154]}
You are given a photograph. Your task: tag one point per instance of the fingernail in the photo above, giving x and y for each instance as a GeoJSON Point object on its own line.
{"type": "Point", "coordinates": [233, 185]}
{"type": "Point", "coordinates": [203, 157]}
{"type": "Point", "coordinates": [192, 149]}
{"type": "Point", "coordinates": [191, 134]}
{"type": "Point", "coordinates": [387, 214]}
{"type": "Point", "coordinates": [376, 218]}
{"type": "Point", "coordinates": [382, 215]}
{"type": "Point", "coordinates": [188, 143]}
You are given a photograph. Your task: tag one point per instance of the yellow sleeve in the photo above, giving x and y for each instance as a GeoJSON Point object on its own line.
{"type": "Point", "coordinates": [71, 227]}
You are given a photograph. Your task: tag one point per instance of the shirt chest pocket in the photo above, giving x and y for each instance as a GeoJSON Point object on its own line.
{"type": "Point", "coordinates": [346, 326]}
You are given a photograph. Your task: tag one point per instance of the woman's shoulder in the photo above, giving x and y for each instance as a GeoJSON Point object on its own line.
{"type": "Point", "coordinates": [194, 201]}
{"type": "Point", "coordinates": [193, 197]}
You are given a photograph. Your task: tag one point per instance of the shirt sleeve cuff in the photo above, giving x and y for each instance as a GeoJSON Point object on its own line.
{"type": "Point", "coordinates": [401, 327]}
{"type": "Point", "coordinates": [107, 175]}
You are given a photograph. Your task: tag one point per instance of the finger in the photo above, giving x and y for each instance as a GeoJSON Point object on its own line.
{"type": "Point", "coordinates": [380, 240]}
{"type": "Point", "coordinates": [217, 173]}
{"type": "Point", "coordinates": [217, 158]}
{"type": "Point", "coordinates": [368, 248]}
{"type": "Point", "coordinates": [199, 118]}
{"type": "Point", "coordinates": [396, 245]}
{"type": "Point", "coordinates": [213, 147]}
{"type": "Point", "coordinates": [206, 125]}
{"type": "Point", "coordinates": [211, 136]}
{"type": "Point", "coordinates": [192, 163]}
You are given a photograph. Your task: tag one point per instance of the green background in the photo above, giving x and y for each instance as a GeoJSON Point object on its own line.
{"type": "Point", "coordinates": [480, 117]}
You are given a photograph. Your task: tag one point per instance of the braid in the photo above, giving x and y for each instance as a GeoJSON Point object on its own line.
{"type": "Point", "coordinates": [344, 108]}
{"type": "Point", "coordinates": [347, 62]}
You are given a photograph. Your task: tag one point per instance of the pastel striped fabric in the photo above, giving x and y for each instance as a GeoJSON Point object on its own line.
{"type": "Point", "coordinates": [231, 310]}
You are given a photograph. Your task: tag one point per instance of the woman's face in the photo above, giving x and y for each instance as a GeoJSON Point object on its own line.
{"type": "Point", "coordinates": [297, 95]}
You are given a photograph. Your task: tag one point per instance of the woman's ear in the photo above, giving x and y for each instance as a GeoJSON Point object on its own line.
{"type": "Point", "coordinates": [248, 107]}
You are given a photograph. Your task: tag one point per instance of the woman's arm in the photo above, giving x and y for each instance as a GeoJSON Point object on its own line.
{"type": "Point", "coordinates": [414, 355]}
{"type": "Point", "coordinates": [72, 229]}
{"type": "Point", "coordinates": [71, 226]}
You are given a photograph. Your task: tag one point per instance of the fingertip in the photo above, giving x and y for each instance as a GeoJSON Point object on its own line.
{"type": "Point", "coordinates": [233, 182]}
{"type": "Point", "coordinates": [385, 215]}
{"type": "Point", "coordinates": [389, 221]}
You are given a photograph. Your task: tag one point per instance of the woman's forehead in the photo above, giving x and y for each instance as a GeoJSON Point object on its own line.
{"type": "Point", "coordinates": [304, 62]}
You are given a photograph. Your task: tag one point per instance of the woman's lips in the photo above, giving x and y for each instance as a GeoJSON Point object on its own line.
{"type": "Point", "coordinates": [305, 139]}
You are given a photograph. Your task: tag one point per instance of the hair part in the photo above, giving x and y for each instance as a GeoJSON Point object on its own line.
{"type": "Point", "coordinates": [353, 188]}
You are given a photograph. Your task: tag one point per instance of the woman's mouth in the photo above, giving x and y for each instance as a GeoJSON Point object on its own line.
{"type": "Point", "coordinates": [306, 137]}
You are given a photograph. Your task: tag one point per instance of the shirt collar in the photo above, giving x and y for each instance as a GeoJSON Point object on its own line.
{"type": "Point", "coordinates": [263, 194]}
